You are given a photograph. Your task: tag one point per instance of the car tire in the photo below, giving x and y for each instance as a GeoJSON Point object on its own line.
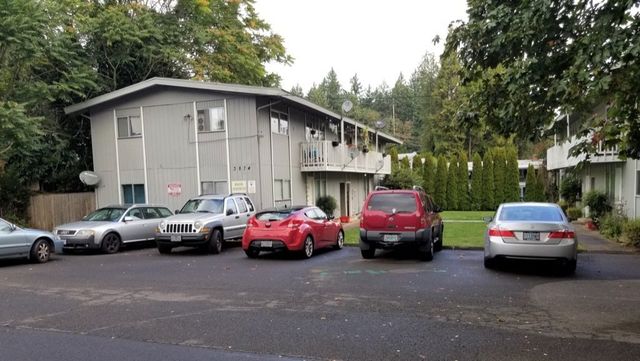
{"type": "Point", "coordinates": [570, 267]}
{"type": "Point", "coordinates": [438, 246]}
{"type": "Point", "coordinates": [110, 243]}
{"type": "Point", "coordinates": [40, 251]}
{"type": "Point", "coordinates": [339, 240]}
{"type": "Point", "coordinates": [426, 251]}
{"type": "Point", "coordinates": [164, 249]}
{"type": "Point", "coordinates": [215, 242]}
{"type": "Point", "coordinates": [489, 263]}
{"type": "Point", "coordinates": [307, 247]}
{"type": "Point", "coordinates": [368, 253]}
{"type": "Point", "coordinates": [252, 253]}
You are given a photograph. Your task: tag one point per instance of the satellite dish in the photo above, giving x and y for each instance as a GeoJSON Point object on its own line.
{"type": "Point", "coordinates": [380, 124]}
{"type": "Point", "coordinates": [347, 105]}
{"type": "Point", "coordinates": [89, 178]}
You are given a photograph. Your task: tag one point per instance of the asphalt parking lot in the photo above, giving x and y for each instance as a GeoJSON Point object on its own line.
{"type": "Point", "coordinates": [189, 306]}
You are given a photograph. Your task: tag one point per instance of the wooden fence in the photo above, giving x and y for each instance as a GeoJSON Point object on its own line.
{"type": "Point", "coordinates": [49, 210]}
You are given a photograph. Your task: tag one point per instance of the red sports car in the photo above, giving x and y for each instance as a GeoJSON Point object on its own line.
{"type": "Point", "coordinates": [302, 229]}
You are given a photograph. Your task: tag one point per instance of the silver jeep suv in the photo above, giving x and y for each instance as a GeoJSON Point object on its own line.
{"type": "Point", "coordinates": [205, 222]}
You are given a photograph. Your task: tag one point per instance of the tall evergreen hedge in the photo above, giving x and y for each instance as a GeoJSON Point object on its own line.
{"type": "Point", "coordinates": [512, 179]}
{"type": "Point", "coordinates": [452, 185]}
{"type": "Point", "coordinates": [464, 200]}
{"type": "Point", "coordinates": [440, 186]}
{"type": "Point", "coordinates": [476, 183]}
{"type": "Point", "coordinates": [488, 202]}
{"type": "Point", "coordinates": [499, 170]}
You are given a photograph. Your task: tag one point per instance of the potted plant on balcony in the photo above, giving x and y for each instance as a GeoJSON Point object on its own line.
{"type": "Point", "coordinates": [365, 140]}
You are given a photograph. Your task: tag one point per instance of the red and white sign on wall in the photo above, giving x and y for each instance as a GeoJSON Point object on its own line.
{"type": "Point", "coordinates": [174, 189]}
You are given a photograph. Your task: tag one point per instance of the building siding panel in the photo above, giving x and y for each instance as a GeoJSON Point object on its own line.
{"type": "Point", "coordinates": [104, 156]}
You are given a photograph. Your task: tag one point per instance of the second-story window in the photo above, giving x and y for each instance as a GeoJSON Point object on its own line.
{"type": "Point", "coordinates": [211, 119]}
{"type": "Point", "coordinates": [129, 126]}
{"type": "Point", "coordinates": [279, 123]}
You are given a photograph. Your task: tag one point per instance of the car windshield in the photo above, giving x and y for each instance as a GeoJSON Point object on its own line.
{"type": "Point", "coordinates": [105, 214]}
{"type": "Point", "coordinates": [401, 202]}
{"type": "Point", "coordinates": [274, 215]}
{"type": "Point", "coordinates": [203, 206]}
{"type": "Point", "coordinates": [530, 213]}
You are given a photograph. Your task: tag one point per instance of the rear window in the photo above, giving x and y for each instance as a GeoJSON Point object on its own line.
{"type": "Point", "coordinates": [273, 216]}
{"type": "Point", "coordinates": [401, 202]}
{"type": "Point", "coordinates": [530, 213]}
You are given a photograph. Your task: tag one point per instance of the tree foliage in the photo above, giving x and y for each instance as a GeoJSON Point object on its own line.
{"type": "Point", "coordinates": [534, 190]}
{"type": "Point", "coordinates": [532, 58]}
{"type": "Point", "coordinates": [499, 173]}
{"type": "Point", "coordinates": [429, 173]}
{"type": "Point", "coordinates": [476, 183]}
{"type": "Point", "coordinates": [453, 198]}
{"type": "Point", "coordinates": [488, 185]}
{"type": "Point", "coordinates": [440, 187]}
{"type": "Point", "coordinates": [512, 176]}
{"type": "Point", "coordinates": [464, 200]}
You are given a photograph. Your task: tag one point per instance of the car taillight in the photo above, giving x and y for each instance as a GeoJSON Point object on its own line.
{"type": "Point", "coordinates": [562, 234]}
{"type": "Point", "coordinates": [294, 223]}
{"type": "Point", "coordinates": [252, 223]}
{"type": "Point", "coordinates": [497, 232]}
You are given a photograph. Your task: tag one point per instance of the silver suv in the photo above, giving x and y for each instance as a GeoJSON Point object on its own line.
{"type": "Point", "coordinates": [206, 222]}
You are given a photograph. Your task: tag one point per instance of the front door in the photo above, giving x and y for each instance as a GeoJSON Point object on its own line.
{"type": "Point", "coordinates": [12, 241]}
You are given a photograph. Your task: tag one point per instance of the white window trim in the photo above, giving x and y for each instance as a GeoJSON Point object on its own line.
{"type": "Point", "coordinates": [129, 135]}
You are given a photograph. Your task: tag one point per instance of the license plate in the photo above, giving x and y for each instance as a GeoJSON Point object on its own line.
{"type": "Point", "coordinates": [390, 238]}
{"type": "Point", "coordinates": [266, 244]}
{"type": "Point", "coordinates": [176, 238]}
{"type": "Point", "coordinates": [530, 236]}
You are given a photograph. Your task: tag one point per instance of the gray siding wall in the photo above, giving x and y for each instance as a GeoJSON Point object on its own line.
{"type": "Point", "coordinates": [265, 196]}
{"type": "Point", "coordinates": [297, 134]}
{"type": "Point", "coordinates": [104, 156]}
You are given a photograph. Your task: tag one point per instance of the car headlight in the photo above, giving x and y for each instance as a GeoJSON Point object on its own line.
{"type": "Point", "coordinates": [85, 233]}
{"type": "Point", "coordinates": [163, 225]}
{"type": "Point", "coordinates": [197, 225]}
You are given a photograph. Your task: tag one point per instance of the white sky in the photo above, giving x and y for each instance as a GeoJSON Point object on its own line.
{"type": "Point", "coordinates": [376, 39]}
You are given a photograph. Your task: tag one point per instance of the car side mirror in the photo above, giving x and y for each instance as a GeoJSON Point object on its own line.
{"type": "Point", "coordinates": [177, 211]}
{"type": "Point", "coordinates": [128, 219]}
{"type": "Point", "coordinates": [229, 212]}
{"type": "Point", "coordinates": [487, 219]}
{"type": "Point", "coordinates": [331, 218]}
{"type": "Point", "coordinates": [12, 227]}
{"type": "Point", "coordinates": [437, 209]}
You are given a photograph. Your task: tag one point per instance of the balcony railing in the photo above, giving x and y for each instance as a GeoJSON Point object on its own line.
{"type": "Point", "coordinates": [558, 156]}
{"type": "Point", "coordinates": [322, 156]}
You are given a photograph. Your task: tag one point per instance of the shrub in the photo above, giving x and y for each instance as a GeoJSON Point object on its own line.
{"type": "Point", "coordinates": [631, 232]}
{"type": "Point", "coordinates": [570, 188]}
{"type": "Point", "coordinates": [573, 213]}
{"type": "Point", "coordinates": [612, 225]}
{"type": "Point", "coordinates": [327, 204]}
{"type": "Point", "coordinates": [598, 204]}
{"type": "Point", "coordinates": [564, 205]}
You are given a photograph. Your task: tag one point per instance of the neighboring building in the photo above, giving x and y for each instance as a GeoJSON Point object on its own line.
{"type": "Point", "coordinates": [523, 166]}
{"type": "Point", "coordinates": [166, 140]}
{"type": "Point", "coordinates": [605, 171]}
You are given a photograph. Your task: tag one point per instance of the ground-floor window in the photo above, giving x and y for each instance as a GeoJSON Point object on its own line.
{"type": "Point", "coordinates": [133, 193]}
{"type": "Point", "coordinates": [213, 187]}
{"type": "Point", "coordinates": [282, 188]}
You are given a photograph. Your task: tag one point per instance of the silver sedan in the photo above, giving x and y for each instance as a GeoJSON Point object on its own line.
{"type": "Point", "coordinates": [34, 244]}
{"type": "Point", "coordinates": [110, 227]}
{"type": "Point", "coordinates": [536, 231]}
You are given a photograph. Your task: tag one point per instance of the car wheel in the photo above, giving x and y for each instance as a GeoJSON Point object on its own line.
{"type": "Point", "coordinates": [570, 267]}
{"type": "Point", "coordinates": [426, 251]}
{"type": "Point", "coordinates": [215, 243]}
{"type": "Point", "coordinates": [368, 253]}
{"type": "Point", "coordinates": [307, 248]}
{"type": "Point", "coordinates": [164, 249]}
{"type": "Point", "coordinates": [252, 253]}
{"type": "Point", "coordinates": [340, 241]}
{"type": "Point", "coordinates": [41, 251]}
{"type": "Point", "coordinates": [438, 246]}
{"type": "Point", "coordinates": [489, 263]}
{"type": "Point", "coordinates": [111, 243]}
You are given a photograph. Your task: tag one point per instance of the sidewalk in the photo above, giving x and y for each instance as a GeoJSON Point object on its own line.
{"type": "Point", "coordinates": [592, 241]}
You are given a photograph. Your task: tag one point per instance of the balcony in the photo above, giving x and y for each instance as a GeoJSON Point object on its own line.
{"type": "Point", "coordinates": [558, 155]}
{"type": "Point", "coordinates": [322, 156]}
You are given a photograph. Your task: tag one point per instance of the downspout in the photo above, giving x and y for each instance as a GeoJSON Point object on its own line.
{"type": "Point", "coordinates": [144, 158]}
{"type": "Point", "coordinates": [115, 134]}
{"type": "Point", "coordinates": [95, 193]}
{"type": "Point", "coordinates": [195, 128]}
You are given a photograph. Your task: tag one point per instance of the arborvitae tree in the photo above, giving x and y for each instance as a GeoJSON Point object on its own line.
{"type": "Point", "coordinates": [541, 195]}
{"type": "Point", "coordinates": [499, 167]}
{"type": "Point", "coordinates": [440, 187]}
{"type": "Point", "coordinates": [476, 183]}
{"type": "Point", "coordinates": [531, 186]}
{"type": "Point", "coordinates": [487, 182]}
{"type": "Point", "coordinates": [393, 153]}
{"type": "Point", "coordinates": [464, 201]}
{"type": "Point", "coordinates": [429, 173]}
{"type": "Point", "coordinates": [512, 181]}
{"type": "Point", "coordinates": [453, 202]}
{"type": "Point", "coordinates": [404, 163]}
